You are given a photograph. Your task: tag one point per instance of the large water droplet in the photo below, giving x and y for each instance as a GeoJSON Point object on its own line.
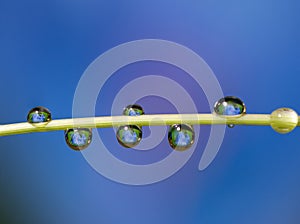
{"type": "Point", "coordinates": [284, 120]}
{"type": "Point", "coordinates": [230, 106]}
{"type": "Point", "coordinates": [129, 135]}
{"type": "Point", "coordinates": [181, 136]}
{"type": "Point", "coordinates": [78, 138]}
{"type": "Point", "coordinates": [39, 115]}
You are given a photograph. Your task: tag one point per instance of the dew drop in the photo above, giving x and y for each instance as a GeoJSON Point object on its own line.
{"type": "Point", "coordinates": [133, 110]}
{"type": "Point", "coordinates": [78, 138]}
{"type": "Point", "coordinates": [39, 115]}
{"type": "Point", "coordinates": [284, 120]}
{"type": "Point", "coordinates": [129, 135]}
{"type": "Point", "coordinates": [181, 136]}
{"type": "Point", "coordinates": [230, 106]}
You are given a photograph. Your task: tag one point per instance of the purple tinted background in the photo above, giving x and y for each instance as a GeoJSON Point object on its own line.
{"type": "Point", "coordinates": [253, 48]}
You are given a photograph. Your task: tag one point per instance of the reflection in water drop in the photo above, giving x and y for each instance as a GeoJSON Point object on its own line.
{"type": "Point", "coordinates": [78, 138]}
{"type": "Point", "coordinates": [181, 136]}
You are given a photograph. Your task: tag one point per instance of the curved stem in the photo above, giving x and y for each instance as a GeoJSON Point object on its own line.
{"type": "Point", "coordinates": [144, 120]}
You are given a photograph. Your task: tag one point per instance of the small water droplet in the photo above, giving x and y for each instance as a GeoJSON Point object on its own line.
{"type": "Point", "coordinates": [133, 110]}
{"type": "Point", "coordinates": [230, 125]}
{"type": "Point", "coordinates": [129, 135]}
{"type": "Point", "coordinates": [78, 138]}
{"type": "Point", "coordinates": [284, 120]}
{"type": "Point", "coordinates": [181, 136]}
{"type": "Point", "coordinates": [39, 115]}
{"type": "Point", "coordinates": [230, 106]}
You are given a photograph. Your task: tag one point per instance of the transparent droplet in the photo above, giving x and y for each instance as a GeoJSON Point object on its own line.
{"type": "Point", "coordinates": [39, 115]}
{"type": "Point", "coordinates": [284, 120]}
{"type": "Point", "coordinates": [129, 135]}
{"type": "Point", "coordinates": [230, 125]}
{"type": "Point", "coordinates": [133, 110]}
{"type": "Point", "coordinates": [78, 138]}
{"type": "Point", "coordinates": [230, 106]}
{"type": "Point", "coordinates": [181, 136]}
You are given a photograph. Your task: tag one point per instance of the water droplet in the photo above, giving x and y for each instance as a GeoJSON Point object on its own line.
{"type": "Point", "coordinates": [284, 120]}
{"type": "Point", "coordinates": [230, 106]}
{"type": "Point", "coordinates": [129, 135]}
{"type": "Point", "coordinates": [133, 110]}
{"type": "Point", "coordinates": [181, 136]}
{"type": "Point", "coordinates": [39, 115]}
{"type": "Point", "coordinates": [78, 138]}
{"type": "Point", "coordinates": [230, 125]}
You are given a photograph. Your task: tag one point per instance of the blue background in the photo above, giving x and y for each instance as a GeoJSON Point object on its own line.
{"type": "Point", "coordinates": [252, 47]}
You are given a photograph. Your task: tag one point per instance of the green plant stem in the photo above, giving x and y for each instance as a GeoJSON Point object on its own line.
{"type": "Point", "coordinates": [144, 120]}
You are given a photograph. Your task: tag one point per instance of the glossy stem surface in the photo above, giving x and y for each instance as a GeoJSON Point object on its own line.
{"type": "Point", "coordinates": [144, 120]}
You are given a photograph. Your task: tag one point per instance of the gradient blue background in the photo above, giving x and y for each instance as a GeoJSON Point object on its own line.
{"type": "Point", "coordinates": [252, 47]}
